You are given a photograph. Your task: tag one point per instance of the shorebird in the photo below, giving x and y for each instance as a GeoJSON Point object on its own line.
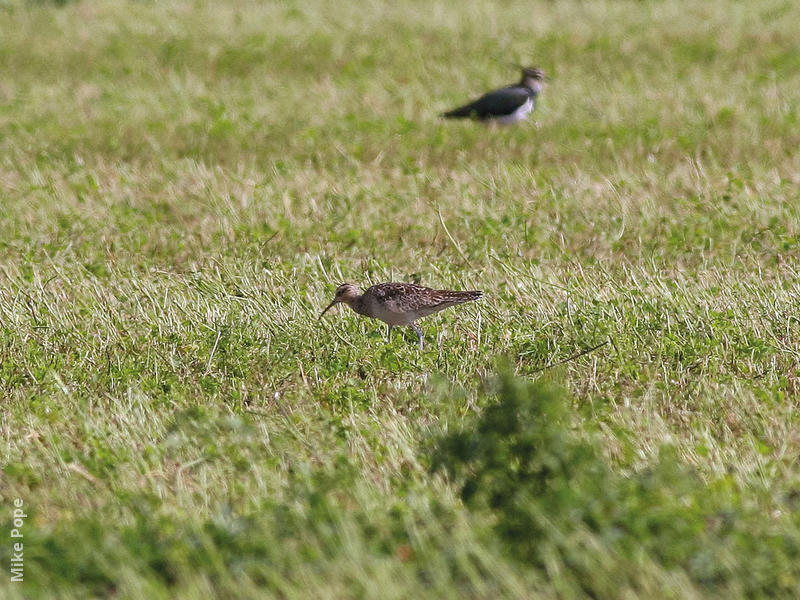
{"type": "Point", "coordinates": [507, 105]}
{"type": "Point", "coordinates": [399, 303]}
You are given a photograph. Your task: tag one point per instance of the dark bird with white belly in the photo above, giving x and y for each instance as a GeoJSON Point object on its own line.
{"type": "Point", "coordinates": [507, 105]}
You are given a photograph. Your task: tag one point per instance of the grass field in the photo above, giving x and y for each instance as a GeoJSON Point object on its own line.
{"type": "Point", "coordinates": [183, 184]}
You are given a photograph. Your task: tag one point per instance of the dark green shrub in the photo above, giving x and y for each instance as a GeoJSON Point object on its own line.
{"type": "Point", "coordinates": [559, 506]}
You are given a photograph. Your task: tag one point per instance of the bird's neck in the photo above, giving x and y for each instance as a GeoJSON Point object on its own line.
{"type": "Point", "coordinates": [533, 85]}
{"type": "Point", "coordinates": [358, 305]}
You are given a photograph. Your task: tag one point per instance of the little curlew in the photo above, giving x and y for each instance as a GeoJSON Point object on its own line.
{"type": "Point", "coordinates": [399, 303]}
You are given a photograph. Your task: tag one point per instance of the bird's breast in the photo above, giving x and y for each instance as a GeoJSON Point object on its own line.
{"type": "Point", "coordinates": [518, 115]}
{"type": "Point", "coordinates": [389, 312]}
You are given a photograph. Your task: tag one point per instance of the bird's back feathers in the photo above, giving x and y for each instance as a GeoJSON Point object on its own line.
{"type": "Point", "coordinates": [498, 103]}
{"type": "Point", "coordinates": [410, 298]}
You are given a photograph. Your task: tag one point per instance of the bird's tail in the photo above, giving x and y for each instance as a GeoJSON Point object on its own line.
{"type": "Point", "coordinates": [461, 297]}
{"type": "Point", "coordinates": [457, 113]}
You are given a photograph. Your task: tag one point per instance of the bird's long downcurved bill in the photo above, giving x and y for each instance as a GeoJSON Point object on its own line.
{"type": "Point", "coordinates": [327, 308]}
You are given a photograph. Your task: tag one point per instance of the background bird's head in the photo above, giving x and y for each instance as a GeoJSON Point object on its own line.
{"type": "Point", "coordinates": [533, 78]}
{"type": "Point", "coordinates": [347, 292]}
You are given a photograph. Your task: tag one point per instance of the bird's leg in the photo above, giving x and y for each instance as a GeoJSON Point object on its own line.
{"type": "Point", "coordinates": [389, 333]}
{"type": "Point", "coordinates": [418, 331]}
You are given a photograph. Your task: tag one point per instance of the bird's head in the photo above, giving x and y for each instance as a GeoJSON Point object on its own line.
{"type": "Point", "coordinates": [533, 78]}
{"type": "Point", "coordinates": [347, 292]}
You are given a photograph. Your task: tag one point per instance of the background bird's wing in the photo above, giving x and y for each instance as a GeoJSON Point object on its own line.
{"type": "Point", "coordinates": [497, 103]}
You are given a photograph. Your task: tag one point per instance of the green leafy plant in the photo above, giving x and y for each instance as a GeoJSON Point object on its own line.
{"type": "Point", "coordinates": [560, 506]}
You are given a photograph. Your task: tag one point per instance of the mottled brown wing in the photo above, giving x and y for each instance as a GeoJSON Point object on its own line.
{"type": "Point", "coordinates": [407, 297]}
{"type": "Point", "coordinates": [399, 297]}
{"type": "Point", "coordinates": [441, 299]}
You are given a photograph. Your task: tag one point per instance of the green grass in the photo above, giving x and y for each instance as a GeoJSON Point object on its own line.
{"type": "Point", "coordinates": [182, 187]}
